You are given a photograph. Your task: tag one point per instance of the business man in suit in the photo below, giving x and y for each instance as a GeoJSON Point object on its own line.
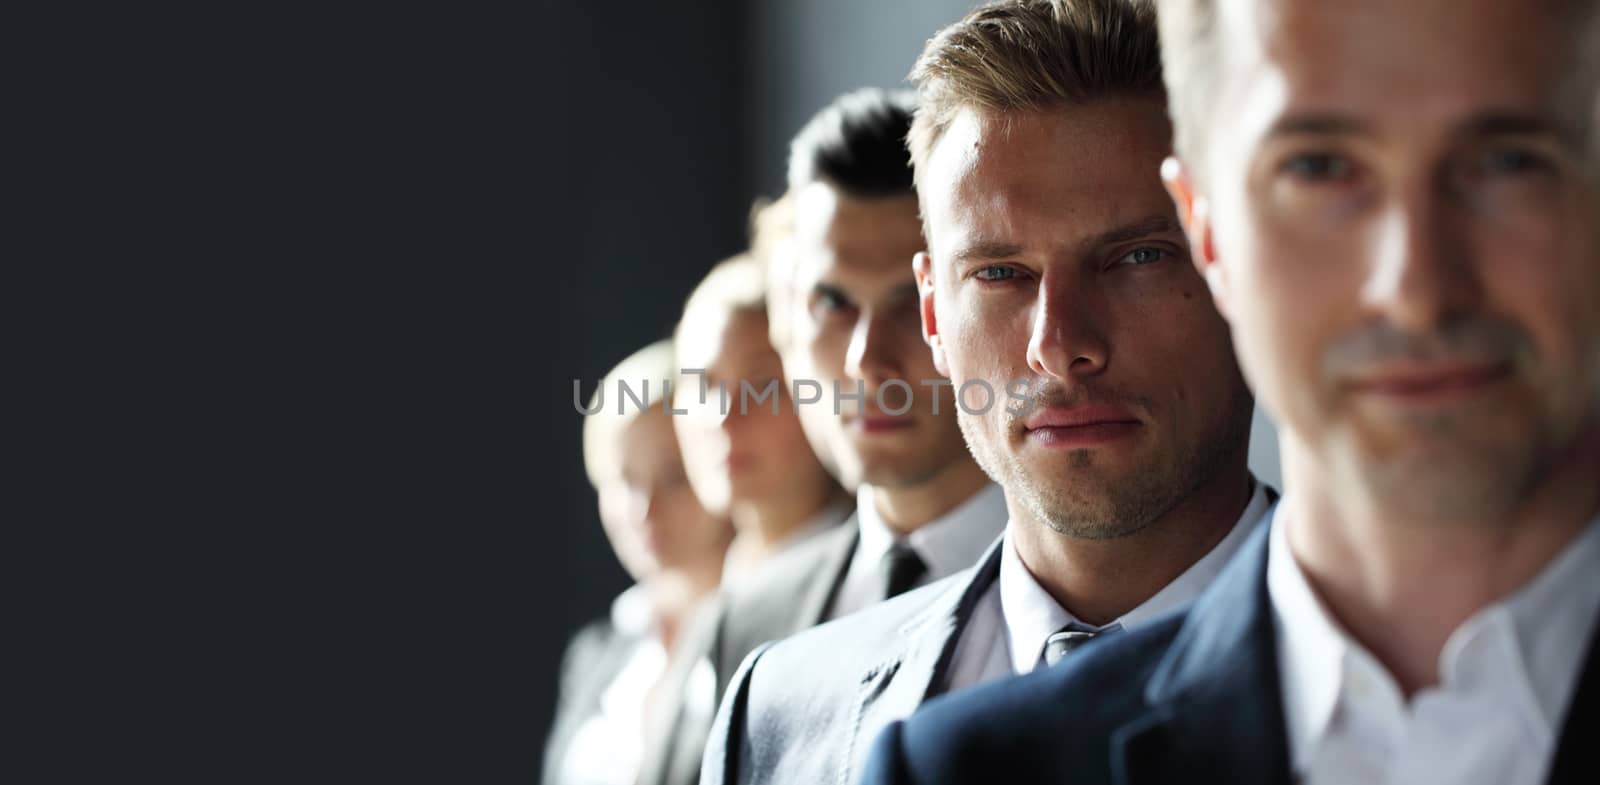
{"type": "Point", "coordinates": [924, 510]}
{"type": "Point", "coordinates": [1057, 277]}
{"type": "Point", "coordinates": [1396, 207]}
{"type": "Point", "coordinates": [619, 675]}
{"type": "Point", "coordinates": [745, 454]}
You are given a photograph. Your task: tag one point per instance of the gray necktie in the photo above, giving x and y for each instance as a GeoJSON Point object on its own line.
{"type": "Point", "coordinates": [901, 568]}
{"type": "Point", "coordinates": [1070, 637]}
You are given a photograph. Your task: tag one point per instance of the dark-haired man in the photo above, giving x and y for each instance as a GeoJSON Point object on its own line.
{"type": "Point", "coordinates": [924, 510]}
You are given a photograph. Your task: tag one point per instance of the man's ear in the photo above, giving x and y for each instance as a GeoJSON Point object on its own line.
{"type": "Point", "coordinates": [922, 266]}
{"type": "Point", "coordinates": [1194, 212]}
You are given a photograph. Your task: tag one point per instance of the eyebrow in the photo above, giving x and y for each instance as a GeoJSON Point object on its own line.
{"type": "Point", "coordinates": [823, 287]}
{"type": "Point", "coordinates": [1317, 124]}
{"type": "Point", "coordinates": [1522, 124]}
{"type": "Point", "coordinates": [1489, 123]}
{"type": "Point", "coordinates": [1156, 224]}
{"type": "Point", "coordinates": [988, 249]}
{"type": "Point", "coordinates": [1508, 123]}
{"type": "Point", "coordinates": [907, 289]}
{"type": "Point", "coordinates": [1144, 227]}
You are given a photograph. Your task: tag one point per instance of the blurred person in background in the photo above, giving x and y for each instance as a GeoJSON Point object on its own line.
{"type": "Point", "coordinates": [615, 675]}
{"type": "Point", "coordinates": [843, 306]}
{"type": "Point", "coordinates": [748, 456]}
{"type": "Point", "coordinates": [745, 452]}
{"type": "Point", "coordinates": [850, 318]}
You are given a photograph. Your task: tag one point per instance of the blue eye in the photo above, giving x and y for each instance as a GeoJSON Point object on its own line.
{"type": "Point", "coordinates": [1318, 166]}
{"type": "Point", "coordinates": [995, 273]}
{"type": "Point", "coordinates": [1145, 255]}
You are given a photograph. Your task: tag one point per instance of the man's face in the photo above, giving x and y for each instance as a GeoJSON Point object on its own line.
{"type": "Point", "coordinates": [1402, 208]}
{"type": "Point", "coordinates": [1057, 265]}
{"type": "Point", "coordinates": [855, 323]}
{"type": "Point", "coordinates": [650, 514]}
{"type": "Point", "coordinates": [736, 448]}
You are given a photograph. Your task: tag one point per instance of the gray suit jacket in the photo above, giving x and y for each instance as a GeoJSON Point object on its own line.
{"type": "Point", "coordinates": [793, 593]}
{"type": "Point", "coordinates": [593, 659]}
{"type": "Point", "coordinates": [806, 710]}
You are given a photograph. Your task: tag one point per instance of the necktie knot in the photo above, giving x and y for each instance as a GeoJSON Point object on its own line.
{"type": "Point", "coordinates": [1063, 641]}
{"type": "Point", "coordinates": [902, 568]}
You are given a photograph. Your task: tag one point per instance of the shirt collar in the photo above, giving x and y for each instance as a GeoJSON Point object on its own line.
{"type": "Point", "coordinates": [1311, 650]}
{"type": "Point", "coordinates": [1529, 645]}
{"type": "Point", "coordinates": [631, 613]}
{"type": "Point", "coordinates": [1552, 618]}
{"type": "Point", "coordinates": [1032, 615]}
{"type": "Point", "coordinates": [947, 544]}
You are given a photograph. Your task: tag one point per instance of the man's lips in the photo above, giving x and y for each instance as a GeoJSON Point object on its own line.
{"type": "Point", "coordinates": [1424, 382]}
{"type": "Point", "coordinates": [1079, 426]}
{"type": "Point", "coordinates": [1077, 416]}
{"type": "Point", "coordinates": [880, 423]}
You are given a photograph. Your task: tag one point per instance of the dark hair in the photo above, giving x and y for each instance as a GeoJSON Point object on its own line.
{"type": "Point", "coordinates": [857, 144]}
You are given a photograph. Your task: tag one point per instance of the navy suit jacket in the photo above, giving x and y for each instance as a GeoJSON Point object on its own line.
{"type": "Point", "coordinates": [1193, 697]}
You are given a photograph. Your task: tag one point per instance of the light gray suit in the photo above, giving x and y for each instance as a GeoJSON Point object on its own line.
{"type": "Point", "coordinates": [806, 709]}
{"type": "Point", "coordinates": [793, 592]}
{"type": "Point", "coordinates": [594, 657]}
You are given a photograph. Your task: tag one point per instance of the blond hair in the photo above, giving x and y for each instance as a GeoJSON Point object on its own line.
{"type": "Point", "coordinates": [1032, 55]}
{"type": "Point", "coordinates": [645, 370]}
{"type": "Point", "coordinates": [1193, 56]}
{"type": "Point", "coordinates": [771, 228]}
{"type": "Point", "coordinates": [735, 285]}
{"type": "Point", "coordinates": [1189, 55]}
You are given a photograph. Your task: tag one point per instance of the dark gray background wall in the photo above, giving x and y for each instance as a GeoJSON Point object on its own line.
{"type": "Point", "coordinates": [802, 53]}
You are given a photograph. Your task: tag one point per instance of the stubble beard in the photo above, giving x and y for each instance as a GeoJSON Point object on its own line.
{"type": "Point", "coordinates": [1086, 504]}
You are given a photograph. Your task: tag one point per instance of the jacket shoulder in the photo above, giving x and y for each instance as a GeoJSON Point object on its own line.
{"type": "Point", "coordinates": [592, 658]}
{"type": "Point", "coordinates": [858, 641]}
{"type": "Point", "coordinates": [1072, 709]}
{"type": "Point", "coordinates": [793, 571]}
{"type": "Point", "coordinates": [587, 651]}
{"type": "Point", "coordinates": [791, 712]}
{"type": "Point", "coordinates": [773, 604]}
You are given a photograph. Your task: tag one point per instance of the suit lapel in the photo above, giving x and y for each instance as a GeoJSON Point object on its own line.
{"type": "Point", "coordinates": [1216, 701]}
{"type": "Point", "coordinates": [908, 676]}
{"type": "Point", "coordinates": [1576, 755]}
{"type": "Point", "coordinates": [819, 594]}
{"type": "Point", "coordinates": [672, 744]}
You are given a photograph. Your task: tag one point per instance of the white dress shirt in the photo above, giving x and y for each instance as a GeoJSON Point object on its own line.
{"type": "Point", "coordinates": [947, 545]}
{"type": "Point", "coordinates": [737, 572]}
{"type": "Point", "coordinates": [1008, 628]}
{"type": "Point", "coordinates": [606, 749]}
{"type": "Point", "coordinates": [1506, 676]}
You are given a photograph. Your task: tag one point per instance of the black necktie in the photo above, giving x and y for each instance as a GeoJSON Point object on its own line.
{"type": "Point", "coordinates": [1070, 637]}
{"type": "Point", "coordinates": [901, 569]}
